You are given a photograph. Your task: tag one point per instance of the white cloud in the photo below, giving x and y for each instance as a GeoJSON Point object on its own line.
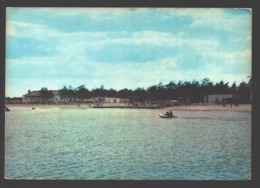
{"type": "Point", "coordinates": [216, 18]}
{"type": "Point", "coordinates": [248, 38]}
{"type": "Point", "coordinates": [72, 51]}
{"type": "Point", "coordinates": [170, 62]}
{"type": "Point", "coordinates": [236, 57]}
{"type": "Point", "coordinates": [95, 13]}
{"type": "Point", "coordinates": [215, 74]}
{"type": "Point", "coordinates": [24, 29]}
{"type": "Point", "coordinates": [99, 39]}
{"type": "Point", "coordinates": [30, 61]}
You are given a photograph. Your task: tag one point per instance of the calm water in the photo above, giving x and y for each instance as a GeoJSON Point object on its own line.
{"type": "Point", "coordinates": [126, 144]}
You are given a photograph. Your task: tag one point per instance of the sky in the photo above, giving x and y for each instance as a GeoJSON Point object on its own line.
{"type": "Point", "coordinates": [125, 47]}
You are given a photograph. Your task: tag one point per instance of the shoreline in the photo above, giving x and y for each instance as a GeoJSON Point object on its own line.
{"type": "Point", "coordinates": [240, 108]}
{"type": "Point", "coordinates": [205, 107]}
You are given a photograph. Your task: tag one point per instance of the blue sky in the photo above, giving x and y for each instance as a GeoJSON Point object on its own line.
{"type": "Point", "coordinates": [124, 48]}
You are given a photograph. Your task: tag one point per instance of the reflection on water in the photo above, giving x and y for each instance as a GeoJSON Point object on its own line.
{"type": "Point", "coordinates": [127, 144]}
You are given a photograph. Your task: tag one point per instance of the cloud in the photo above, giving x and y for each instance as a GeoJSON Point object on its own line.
{"type": "Point", "coordinates": [216, 18]}
{"type": "Point", "coordinates": [236, 58]}
{"type": "Point", "coordinates": [117, 46]}
{"type": "Point", "coordinates": [170, 62]}
{"type": "Point", "coordinates": [96, 13]}
{"type": "Point", "coordinates": [96, 47]}
{"type": "Point", "coordinates": [248, 38]}
{"type": "Point", "coordinates": [31, 30]}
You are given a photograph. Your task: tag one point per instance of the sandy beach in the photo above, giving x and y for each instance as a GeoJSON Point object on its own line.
{"type": "Point", "coordinates": [206, 107]}
{"type": "Point", "coordinates": [240, 108]}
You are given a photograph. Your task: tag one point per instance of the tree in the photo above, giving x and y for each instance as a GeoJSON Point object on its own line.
{"type": "Point", "coordinates": [82, 93]}
{"type": "Point", "coordinates": [234, 88]}
{"type": "Point", "coordinates": [152, 92]}
{"type": "Point", "coordinates": [244, 90]}
{"type": "Point", "coordinates": [140, 94]}
{"type": "Point", "coordinates": [221, 88]}
{"type": "Point", "coordinates": [196, 96]}
{"type": "Point", "coordinates": [67, 93]}
{"type": "Point", "coordinates": [124, 93]}
{"type": "Point", "coordinates": [194, 91]}
{"type": "Point", "coordinates": [45, 94]}
{"type": "Point", "coordinates": [170, 89]}
{"type": "Point", "coordinates": [111, 93]}
{"type": "Point", "coordinates": [205, 82]}
{"type": "Point", "coordinates": [98, 93]}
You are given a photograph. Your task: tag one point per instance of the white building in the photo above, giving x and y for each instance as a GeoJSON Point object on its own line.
{"type": "Point", "coordinates": [110, 100]}
{"type": "Point", "coordinates": [32, 97]}
{"type": "Point", "coordinates": [219, 97]}
{"type": "Point", "coordinates": [55, 98]}
{"type": "Point", "coordinates": [36, 97]}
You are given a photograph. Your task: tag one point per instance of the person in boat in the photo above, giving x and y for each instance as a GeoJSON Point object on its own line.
{"type": "Point", "coordinates": [169, 113]}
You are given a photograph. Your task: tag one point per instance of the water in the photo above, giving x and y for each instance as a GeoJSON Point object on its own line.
{"type": "Point", "coordinates": [127, 144]}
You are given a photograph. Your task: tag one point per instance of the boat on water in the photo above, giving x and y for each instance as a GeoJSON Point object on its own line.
{"type": "Point", "coordinates": [167, 116]}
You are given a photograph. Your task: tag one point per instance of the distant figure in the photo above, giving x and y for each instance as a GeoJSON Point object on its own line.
{"type": "Point", "coordinates": [236, 102]}
{"type": "Point", "coordinates": [223, 102]}
{"type": "Point", "coordinates": [167, 113]}
{"type": "Point", "coordinates": [170, 113]}
{"type": "Point", "coordinates": [217, 101]}
{"type": "Point", "coordinates": [33, 108]}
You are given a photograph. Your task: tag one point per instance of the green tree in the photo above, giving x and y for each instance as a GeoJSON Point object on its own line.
{"type": "Point", "coordinates": [82, 93]}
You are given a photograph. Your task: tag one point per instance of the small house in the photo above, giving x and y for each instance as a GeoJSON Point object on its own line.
{"type": "Point", "coordinates": [217, 98]}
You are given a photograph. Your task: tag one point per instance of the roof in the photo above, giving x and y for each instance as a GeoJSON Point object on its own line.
{"type": "Point", "coordinates": [33, 94]}
{"type": "Point", "coordinates": [38, 93]}
{"type": "Point", "coordinates": [108, 98]}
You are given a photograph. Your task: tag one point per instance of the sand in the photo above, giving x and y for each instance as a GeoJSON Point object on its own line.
{"type": "Point", "coordinates": [206, 107]}
{"type": "Point", "coordinates": [240, 108]}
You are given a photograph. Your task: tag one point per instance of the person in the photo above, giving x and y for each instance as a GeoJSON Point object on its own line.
{"type": "Point", "coordinates": [170, 113]}
{"type": "Point", "coordinates": [223, 101]}
{"type": "Point", "coordinates": [236, 102]}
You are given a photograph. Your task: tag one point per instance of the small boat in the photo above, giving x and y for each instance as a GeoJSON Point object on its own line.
{"type": "Point", "coordinates": [167, 116]}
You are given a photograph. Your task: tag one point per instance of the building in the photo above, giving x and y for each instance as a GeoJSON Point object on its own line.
{"type": "Point", "coordinates": [32, 97]}
{"type": "Point", "coordinates": [14, 100]}
{"type": "Point", "coordinates": [213, 98]}
{"type": "Point", "coordinates": [109, 100]}
{"type": "Point", "coordinates": [55, 97]}
{"type": "Point", "coordinates": [38, 97]}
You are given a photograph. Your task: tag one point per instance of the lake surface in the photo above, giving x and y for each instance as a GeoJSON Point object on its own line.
{"type": "Point", "coordinates": [127, 144]}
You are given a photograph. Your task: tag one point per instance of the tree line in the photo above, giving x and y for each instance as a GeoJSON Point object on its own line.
{"type": "Point", "coordinates": [193, 91]}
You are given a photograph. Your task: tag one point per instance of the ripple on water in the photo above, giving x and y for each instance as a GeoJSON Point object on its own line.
{"type": "Point", "coordinates": [127, 144]}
